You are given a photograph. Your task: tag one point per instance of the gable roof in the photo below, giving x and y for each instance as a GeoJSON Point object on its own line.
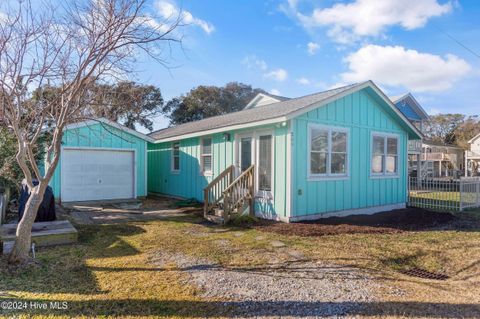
{"type": "Point", "coordinates": [473, 138]}
{"type": "Point", "coordinates": [412, 102]}
{"type": "Point", "coordinates": [271, 113]}
{"type": "Point", "coordinates": [112, 124]}
{"type": "Point", "coordinates": [274, 98]}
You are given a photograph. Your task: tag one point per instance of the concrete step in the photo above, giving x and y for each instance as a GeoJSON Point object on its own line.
{"type": "Point", "coordinates": [58, 232]}
{"type": "Point", "coordinates": [215, 219]}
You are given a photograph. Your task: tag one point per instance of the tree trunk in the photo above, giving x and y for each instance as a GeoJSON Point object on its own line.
{"type": "Point", "coordinates": [23, 240]}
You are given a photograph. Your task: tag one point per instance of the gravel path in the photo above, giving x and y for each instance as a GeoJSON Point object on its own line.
{"type": "Point", "coordinates": [298, 288]}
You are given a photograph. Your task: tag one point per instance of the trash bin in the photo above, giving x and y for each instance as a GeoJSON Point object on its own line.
{"type": "Point", "coordinates": [46, 211]}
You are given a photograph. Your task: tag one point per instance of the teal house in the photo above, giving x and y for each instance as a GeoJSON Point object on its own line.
{"type": "Point", "coordinates": [339, 152]}
{"type": "Point", "coordinates": [333, 153]}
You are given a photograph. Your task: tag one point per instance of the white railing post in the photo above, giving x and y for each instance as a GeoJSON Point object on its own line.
{"type": "Point", "coordinates": [477, 190]}
{"type": "Point", "coordinates": [461, 189]}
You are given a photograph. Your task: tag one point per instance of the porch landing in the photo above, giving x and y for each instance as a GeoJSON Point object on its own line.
{"type": "Point", "coordinates": [43, 234]}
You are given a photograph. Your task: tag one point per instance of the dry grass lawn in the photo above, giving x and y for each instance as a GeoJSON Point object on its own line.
{"type": "Point", "coordinates": [109, 273]}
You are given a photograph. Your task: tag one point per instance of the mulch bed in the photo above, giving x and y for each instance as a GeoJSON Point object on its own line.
{"type": "Point", "coordinates": [409, 219]}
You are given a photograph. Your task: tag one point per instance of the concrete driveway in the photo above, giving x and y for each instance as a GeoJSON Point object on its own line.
{"type": "Point", "coordinates": [109, 212]}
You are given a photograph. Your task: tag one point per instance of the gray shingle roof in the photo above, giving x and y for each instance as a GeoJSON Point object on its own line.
{"type": "Point", "coordinates": [278, 97]}
{"type": "Point", "coordinates": [260, 113]}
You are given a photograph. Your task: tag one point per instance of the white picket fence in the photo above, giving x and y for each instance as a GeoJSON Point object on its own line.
{"type": "Point", "coordinates": [444, 194]}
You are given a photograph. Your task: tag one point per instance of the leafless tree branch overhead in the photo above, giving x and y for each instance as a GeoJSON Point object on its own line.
{"type": "Point", "coordinates": [71, 47]}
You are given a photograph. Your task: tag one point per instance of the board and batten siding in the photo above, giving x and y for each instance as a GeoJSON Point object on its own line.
{"type": "Point", "coordinates": [362, 114]}
{"type": "Point", "coordinates": [103, 136]}
{"type": "Point", "coordinates": [189, 182]}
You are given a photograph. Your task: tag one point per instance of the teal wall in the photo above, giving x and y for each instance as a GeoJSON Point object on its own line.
{"type": "Point", "coordinates": [362, 113]}
{"type": "Point", "coordinates": [189, 182]}
{"type": "Point", "coordinates": [104, 136]}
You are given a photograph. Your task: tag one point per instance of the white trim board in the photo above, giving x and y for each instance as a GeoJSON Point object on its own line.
{"type": "Point", "coordinates": [299, 112]}
{"type": "Point", "coordinates": [222, 129]}
{"type": "Point", "coordinates": [110, 123]}
{"type": "Point", "coordinates": [356, 88]}
{"type": "Point", "coordinates": [358, 211]}
{"type": "Point", "coordinates": [473, 139]}
{"type": "Point", "coordinates": [416, 105]}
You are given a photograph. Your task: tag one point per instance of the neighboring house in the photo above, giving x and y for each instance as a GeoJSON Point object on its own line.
{"type": "Point", "coordinates": [338, 152]}
{"type": "Point", "coordinates": [101, 160]}
{"type": "Point", "coordinates": [472, 157]}
{"type": "Point", "coordinates": [434, 159]}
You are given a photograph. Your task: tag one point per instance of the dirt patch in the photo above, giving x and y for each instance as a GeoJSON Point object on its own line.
{"type": "Point", "coordinates": [409, 219]}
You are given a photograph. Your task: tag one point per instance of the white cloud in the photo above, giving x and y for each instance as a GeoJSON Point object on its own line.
{"type": "Point", "coordinates": [396, 66]}
{"type": "Point", "coordinates": [312, 48]}
{"type": "Point", "coordinates": [277, 75]}
{"type": "Point", "coordinates": [168, 10]}
{"type": "Point", "coordinates": [348, 22]}
{"type": "Point", "coordinates": [254, 63]}
{"type": "Point", "coordinates": [274, 92]}
{"type": "Point", "coordinates": [303, 81]}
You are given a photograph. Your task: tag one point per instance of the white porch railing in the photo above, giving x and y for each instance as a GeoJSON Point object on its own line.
{"type": "Point", "coordinates": [469, 193]}
{"type": "Point", "coordinates": [415, 146]}
{"type": "Point", "coordinates": [444, 194]}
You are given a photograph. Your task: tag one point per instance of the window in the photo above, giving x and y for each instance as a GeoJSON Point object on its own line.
{"type": "Point", "coordinates": [328, 150]}
{"type": "Point", "coordinates": [265, 163]}
{"type": "Point", "coordinates": [176, 156]}
{"type": "Point", "coordinates": [206, 151]}
{"type": "Point", "coordinates": [384, 154]}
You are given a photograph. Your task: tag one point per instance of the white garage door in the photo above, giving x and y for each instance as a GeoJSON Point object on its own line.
{"type": "Point", "coordinates": [89, 174]}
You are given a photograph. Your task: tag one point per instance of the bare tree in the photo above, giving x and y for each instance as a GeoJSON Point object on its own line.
{"type": "Point", "coordinates": [71, 48]}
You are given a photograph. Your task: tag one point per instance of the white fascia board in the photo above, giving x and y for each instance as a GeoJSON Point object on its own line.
{"type": "Point", "coordinates": [110, 123]}
{"type": "Point", "coordinates": [350, 91]}
{"type": "Point", "coordinates": [222, 129]}
{"type": "Point", "coordinates": [418, 107]}
{"type": "Point", "coordinates": [473, 139]}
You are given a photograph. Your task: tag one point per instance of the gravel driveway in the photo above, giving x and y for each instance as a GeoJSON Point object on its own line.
{"type": "Point", "coordinates": [297, 288]}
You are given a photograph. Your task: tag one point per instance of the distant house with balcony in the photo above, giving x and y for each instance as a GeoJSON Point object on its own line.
{"type": "Point", "coordinates": [472, 157]}
{"type": "Point", "coordinates": [428, 158]}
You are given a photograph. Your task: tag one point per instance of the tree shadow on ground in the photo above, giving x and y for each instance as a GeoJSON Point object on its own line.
{"type": "Point", "coordinates": [252, 309]}
{"type": "Point", "coordinates": [63, 269]}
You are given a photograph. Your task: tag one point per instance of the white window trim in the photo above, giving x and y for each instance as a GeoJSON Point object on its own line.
{"type": "Point", "coordinates": [202, 172]}
{"type": "Point", "coordinates": [172, 159]}
{"type": "Point", "coordinates": [254, 135]}
{"type": "Point", "coordinates": [384, 174]}
{"type": "Point", "coordinates": [257, 135]}
{"type": "Point", "coordinates": [328, 175]}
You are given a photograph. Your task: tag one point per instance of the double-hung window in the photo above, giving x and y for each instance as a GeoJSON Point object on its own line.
{"type": "Point", "coordinates": [176, 157]}
{"type": "Point", "coordinates": [328, 151]}
{"type": "Point", "coordinates": [384, 154]}
{"type": "Point", "coordinates": [206, 154]}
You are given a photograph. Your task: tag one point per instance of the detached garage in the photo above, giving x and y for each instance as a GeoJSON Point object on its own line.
{"type": "Point", "coordinates": [101, 160]}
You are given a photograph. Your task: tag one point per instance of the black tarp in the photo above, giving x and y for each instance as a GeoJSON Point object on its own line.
{"type": "Point", "coordinates": [46, 211]}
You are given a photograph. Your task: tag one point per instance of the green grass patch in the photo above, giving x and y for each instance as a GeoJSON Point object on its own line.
{"type": "Point", "coordinates": [110, 272]}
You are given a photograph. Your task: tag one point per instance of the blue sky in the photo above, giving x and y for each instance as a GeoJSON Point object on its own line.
{"type": "Point", "coordinates": [298, 47]}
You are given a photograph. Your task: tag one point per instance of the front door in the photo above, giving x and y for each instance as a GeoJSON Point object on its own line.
{"type": "Point", "coordinates": [257, 148]}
